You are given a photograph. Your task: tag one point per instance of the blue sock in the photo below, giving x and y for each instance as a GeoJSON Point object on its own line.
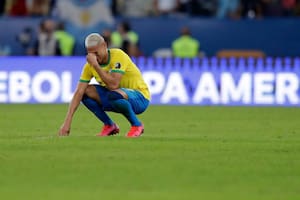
{"type": "Point", "coordinates": [95, 108]}
{"type": "Point", "coordinates": [121, 105]}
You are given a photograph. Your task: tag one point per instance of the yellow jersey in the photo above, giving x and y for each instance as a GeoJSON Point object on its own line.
{"type": "Point", "coordinates": [118, 62]}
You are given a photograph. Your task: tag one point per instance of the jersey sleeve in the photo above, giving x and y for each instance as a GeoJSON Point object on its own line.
{"type": "Point", "coordinates": [86, 74]}
{"type": "Point", "coordinates": [120, 66]}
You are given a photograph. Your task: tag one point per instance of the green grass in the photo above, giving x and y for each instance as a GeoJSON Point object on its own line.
{"type": "Point", "coordinates": [186, 153]}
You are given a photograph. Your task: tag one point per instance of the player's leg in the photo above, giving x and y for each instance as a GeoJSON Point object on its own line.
{"type": "Point", "coordinates": [129, 103]}
{"type": "Point", "coordinates": [93, 99]}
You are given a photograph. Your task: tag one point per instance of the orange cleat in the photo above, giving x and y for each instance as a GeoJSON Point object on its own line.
{"type": "Point", "coordinates": [136, 131]}
{"type": "Point", "coordinates": [108, 130]}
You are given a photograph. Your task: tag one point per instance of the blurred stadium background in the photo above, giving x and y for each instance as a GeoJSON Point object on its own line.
{"type": "Point", "coordinates": [223, 124]}
{"type": "Point", "coordinates": [253, 46]}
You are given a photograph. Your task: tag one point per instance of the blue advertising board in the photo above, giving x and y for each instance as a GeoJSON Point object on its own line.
{"type": "Point", "coordinates": [207, 81]}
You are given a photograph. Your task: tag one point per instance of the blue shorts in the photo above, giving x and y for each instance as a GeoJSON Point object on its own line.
{"type": "Point", "coordinates": [138, 102]}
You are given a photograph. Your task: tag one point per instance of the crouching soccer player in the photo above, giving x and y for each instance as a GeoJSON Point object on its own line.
{"type": "Point", "coordinates": [121, 88]}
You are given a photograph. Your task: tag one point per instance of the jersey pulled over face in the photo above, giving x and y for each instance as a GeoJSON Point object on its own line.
{"type": "Point", "coordinates": [118, 62]}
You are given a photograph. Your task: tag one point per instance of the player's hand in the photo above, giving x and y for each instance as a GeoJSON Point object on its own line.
{"type": "Point", "coordinates": [92, 59]}
{"type": "Point", "coordinates": [64, 131]}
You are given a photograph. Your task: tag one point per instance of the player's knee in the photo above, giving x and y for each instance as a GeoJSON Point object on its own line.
{"type": "Point", "coordinates": [89, 90]}
{"type": "Point", "coordinates": [113, 95]}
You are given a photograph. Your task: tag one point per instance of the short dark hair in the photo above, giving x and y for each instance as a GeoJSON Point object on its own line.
{"type": "Point", "coordinates": [126, 26]}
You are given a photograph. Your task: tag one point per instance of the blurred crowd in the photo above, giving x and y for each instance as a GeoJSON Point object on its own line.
{"type": "Point", "coordinates": [53, 40]}
{"type": "Point", "coordinates": [234, 9]}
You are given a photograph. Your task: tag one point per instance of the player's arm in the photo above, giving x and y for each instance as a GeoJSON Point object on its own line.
{"type": "Point", "coordinates": [111, 80]}
{"type": "Point", "coordinates": [79, 92]}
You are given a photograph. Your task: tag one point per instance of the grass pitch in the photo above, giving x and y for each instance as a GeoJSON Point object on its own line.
{"type": "Point", "coordinates": [186, 153]}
